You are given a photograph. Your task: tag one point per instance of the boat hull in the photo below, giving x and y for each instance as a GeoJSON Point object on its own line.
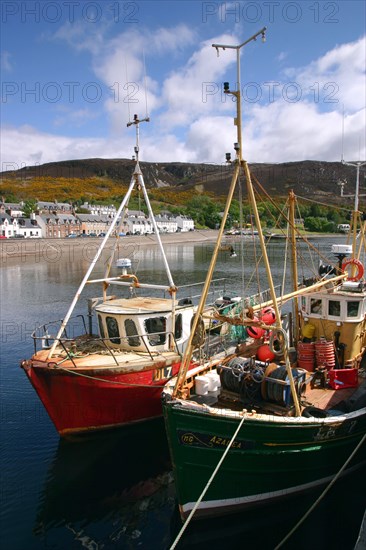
{"type": "Point", "coordinates": [84, 400]}
{"type": "Point", "coordinates": [268, 461]}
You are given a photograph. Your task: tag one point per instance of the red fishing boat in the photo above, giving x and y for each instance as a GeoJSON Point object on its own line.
{"type": "Point", "coordinates": [106, 368]}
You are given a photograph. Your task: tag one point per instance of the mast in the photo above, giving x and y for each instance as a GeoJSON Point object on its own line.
{"type": "Point", "coordinates": [137, 179]}
{"type": "Point", "coordinates": [237, 165]}
{"type": "Point", "coordinates": [295, 277]}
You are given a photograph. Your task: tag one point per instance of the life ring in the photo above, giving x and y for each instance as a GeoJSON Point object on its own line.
{"type": "Point", "coordinates": [356, 263]}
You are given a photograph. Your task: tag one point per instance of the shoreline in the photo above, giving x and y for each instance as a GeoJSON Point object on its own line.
{"type": "Point", "coordinates": [50, 249]}
{"type": "Point", "coordinates": [53, 250]}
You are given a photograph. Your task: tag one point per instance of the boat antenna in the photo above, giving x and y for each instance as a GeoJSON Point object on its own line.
{"type": "Point", "coordinates": [238, 145]}
{"type": "Point", "coordinates": [136, 122]}
{"type": "Point", "coordinates": [127, 84]}
{"type": "Point", "coordinates": [342, 133]}
{"type": "Point", "coordinates": [146, 109]}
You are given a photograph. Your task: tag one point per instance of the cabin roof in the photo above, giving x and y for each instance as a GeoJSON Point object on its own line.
{"type": "Point", "coordinates": [137, 305]}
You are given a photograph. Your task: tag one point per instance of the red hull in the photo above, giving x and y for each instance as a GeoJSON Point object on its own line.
{"type": "Point", "coordinates": [82, 403]}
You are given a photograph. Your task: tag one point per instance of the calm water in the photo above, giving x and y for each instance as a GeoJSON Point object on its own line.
{"type": "Point", "coordinates": [115, 490]}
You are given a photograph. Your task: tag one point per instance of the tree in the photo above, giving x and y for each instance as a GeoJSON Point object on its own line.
{"type": "Point", "coordinates": [29, 207]}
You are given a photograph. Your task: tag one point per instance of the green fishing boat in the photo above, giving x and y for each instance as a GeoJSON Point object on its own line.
{"type": "Point", "coordinates": [280, 407]}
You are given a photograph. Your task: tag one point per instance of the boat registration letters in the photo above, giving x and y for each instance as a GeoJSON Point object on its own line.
{"type": "Point", "coordinates": [196, 439]}
{"type": "Point", "coordinates": [163, 373]}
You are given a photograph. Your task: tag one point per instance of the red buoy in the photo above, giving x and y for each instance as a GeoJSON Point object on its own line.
{"type": "Point", "coordinates": [264, 353]}
{"type": "Point", "coordinates": [268, 315]}
{"type": "Point", "coordinates": [255, 332]}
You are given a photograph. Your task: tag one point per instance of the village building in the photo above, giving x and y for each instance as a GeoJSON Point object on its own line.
{"type": "Point", "coordinates": [58, 225]}
{"type": "Point", "coordinates": [55, 207]}
{"type": "Point", "coordinates": [7, 225]}
{"type": "Point", "coordinates": [15, 210]}
{"type": "Point", "coordinates": [100, 209]}
{"type": "Point", "coordinates": [136, 223]}
{"type": "Point", "coordinates": [19, 227]}
{"type": "Point", "coordinates": [93, 224]}
{"type": "Point", "coordinates": [29, 228]}
{"type": "Point", "coordinates": [166, 224]}
{"type": "Point", "coordinates": [184, 223]}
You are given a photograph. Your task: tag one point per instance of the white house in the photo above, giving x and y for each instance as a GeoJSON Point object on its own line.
{"type": "Point", "coordinates": [7, 225]}
{"type": "Point", "coordinates": [140, 226]}
{"type": "Point", "coordinates": [100, 209]}
{"type": "Point", "coordinates": [166, 224]}
{"type": "Point", "coordinates": [23, 227]}
{"type": "Point", "coordinates": [29, 228]}
{"type": "Point", "coordinates": [185, 223]}
{"type": "Point", "coordinates": [136, 214]}
{"type": "Point", "coordinates": [15, 210]}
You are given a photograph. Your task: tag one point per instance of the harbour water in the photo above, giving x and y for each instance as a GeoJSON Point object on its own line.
{"type": "Point", "coordinates": [116, 490]}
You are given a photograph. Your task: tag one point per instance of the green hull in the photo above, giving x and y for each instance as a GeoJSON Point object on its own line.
{"type": "Point", "coordinates": [270, 458]}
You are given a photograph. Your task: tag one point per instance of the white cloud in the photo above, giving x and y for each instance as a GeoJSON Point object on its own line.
{"type": "Point", "coordinates": [188, 126]}
{"type": "Point", "coordinates": [340, 74]}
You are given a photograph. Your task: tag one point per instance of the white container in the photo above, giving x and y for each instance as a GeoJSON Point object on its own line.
{"type": "Point", "coordinates": [201, 385]}
{"type": "Point", "coordinates": [342, 249]}
{"type": "Point", "coordinates": [214, 381]}
{"type": "Point", "coordinates": [123, 262]}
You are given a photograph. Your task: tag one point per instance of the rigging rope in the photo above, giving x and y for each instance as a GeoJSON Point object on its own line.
{"type": "Point", "coordinates": [112, 381]}
{"type": "Point", "coordinates": [322, 495]}
{"type": "Point", "coordinates": [193, 511]}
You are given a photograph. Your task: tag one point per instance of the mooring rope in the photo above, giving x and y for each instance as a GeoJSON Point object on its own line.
{"type": "Point", "coordinates": [112, 381]}
{"type": "Point", "coordinates": [322, 495]}
{"type": "Point", "coordinates": [193, 511]}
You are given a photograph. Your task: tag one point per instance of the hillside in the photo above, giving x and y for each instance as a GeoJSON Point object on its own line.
{"type": "Point", "coordinates": [105, 178]}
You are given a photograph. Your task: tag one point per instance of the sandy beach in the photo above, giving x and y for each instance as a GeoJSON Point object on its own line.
{"type": "Point", "coordinates": [51, 249]}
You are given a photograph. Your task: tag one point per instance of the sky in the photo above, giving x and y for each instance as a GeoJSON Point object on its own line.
{"type": "Point", "coordinates": [74, 73]}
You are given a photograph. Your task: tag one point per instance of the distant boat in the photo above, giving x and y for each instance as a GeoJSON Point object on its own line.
{"type": "Point", "coordinates": [282, 410]}
{"type": "Point", "coordinates": [278, 236]}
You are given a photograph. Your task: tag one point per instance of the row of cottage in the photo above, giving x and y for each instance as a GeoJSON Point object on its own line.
{"type": "Point", "coordinates": [57, 220]}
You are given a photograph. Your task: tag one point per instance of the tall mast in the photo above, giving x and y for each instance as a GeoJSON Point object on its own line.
{"type": "Point", "coordinates": [295, 275]}
{"type": "Point", "coordinates": [237, 165]}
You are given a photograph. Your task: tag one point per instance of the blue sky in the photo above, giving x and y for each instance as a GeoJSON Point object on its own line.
{"type": "Point", "coordinates": [74, 72]}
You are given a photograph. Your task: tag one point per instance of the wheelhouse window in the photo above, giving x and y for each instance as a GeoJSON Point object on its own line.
{"type": "Point", "coordinates": [156, 330]}
{"type": "Point", "coordinates": [334, 308]}
{"type": "Point", "coordinates": [352, 309]}
{"type": "Point", "coordinates": [316, 306]}
{"type": "Point", "coordinates": [131, 333]}
{"type": "Point", "coordinates": [113, 330]}
{"type": "Point", "coordinates": [101, 327]}
{"type": "Point", "coordinates": [178, 327]}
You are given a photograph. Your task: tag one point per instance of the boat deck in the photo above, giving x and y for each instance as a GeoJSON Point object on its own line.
{"type": "Point", "coordinates": [129, 361]}
{"type": "Point", "coordinates": [325, 398]}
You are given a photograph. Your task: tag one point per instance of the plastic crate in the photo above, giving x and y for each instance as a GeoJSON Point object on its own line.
{"type": "Point", "coordinates": [340, 379]}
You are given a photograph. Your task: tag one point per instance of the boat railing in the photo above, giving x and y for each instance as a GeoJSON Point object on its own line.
{"type": "Point", "coordinates": [42, 332]}
{"type": "Point", "coordinates": [192, 290]}
{"type": "Point", "coordinates": [71, 345]}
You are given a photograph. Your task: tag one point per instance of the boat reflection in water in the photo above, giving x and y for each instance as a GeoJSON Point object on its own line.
{"type": "Point", "coordinates": [110, 490]}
